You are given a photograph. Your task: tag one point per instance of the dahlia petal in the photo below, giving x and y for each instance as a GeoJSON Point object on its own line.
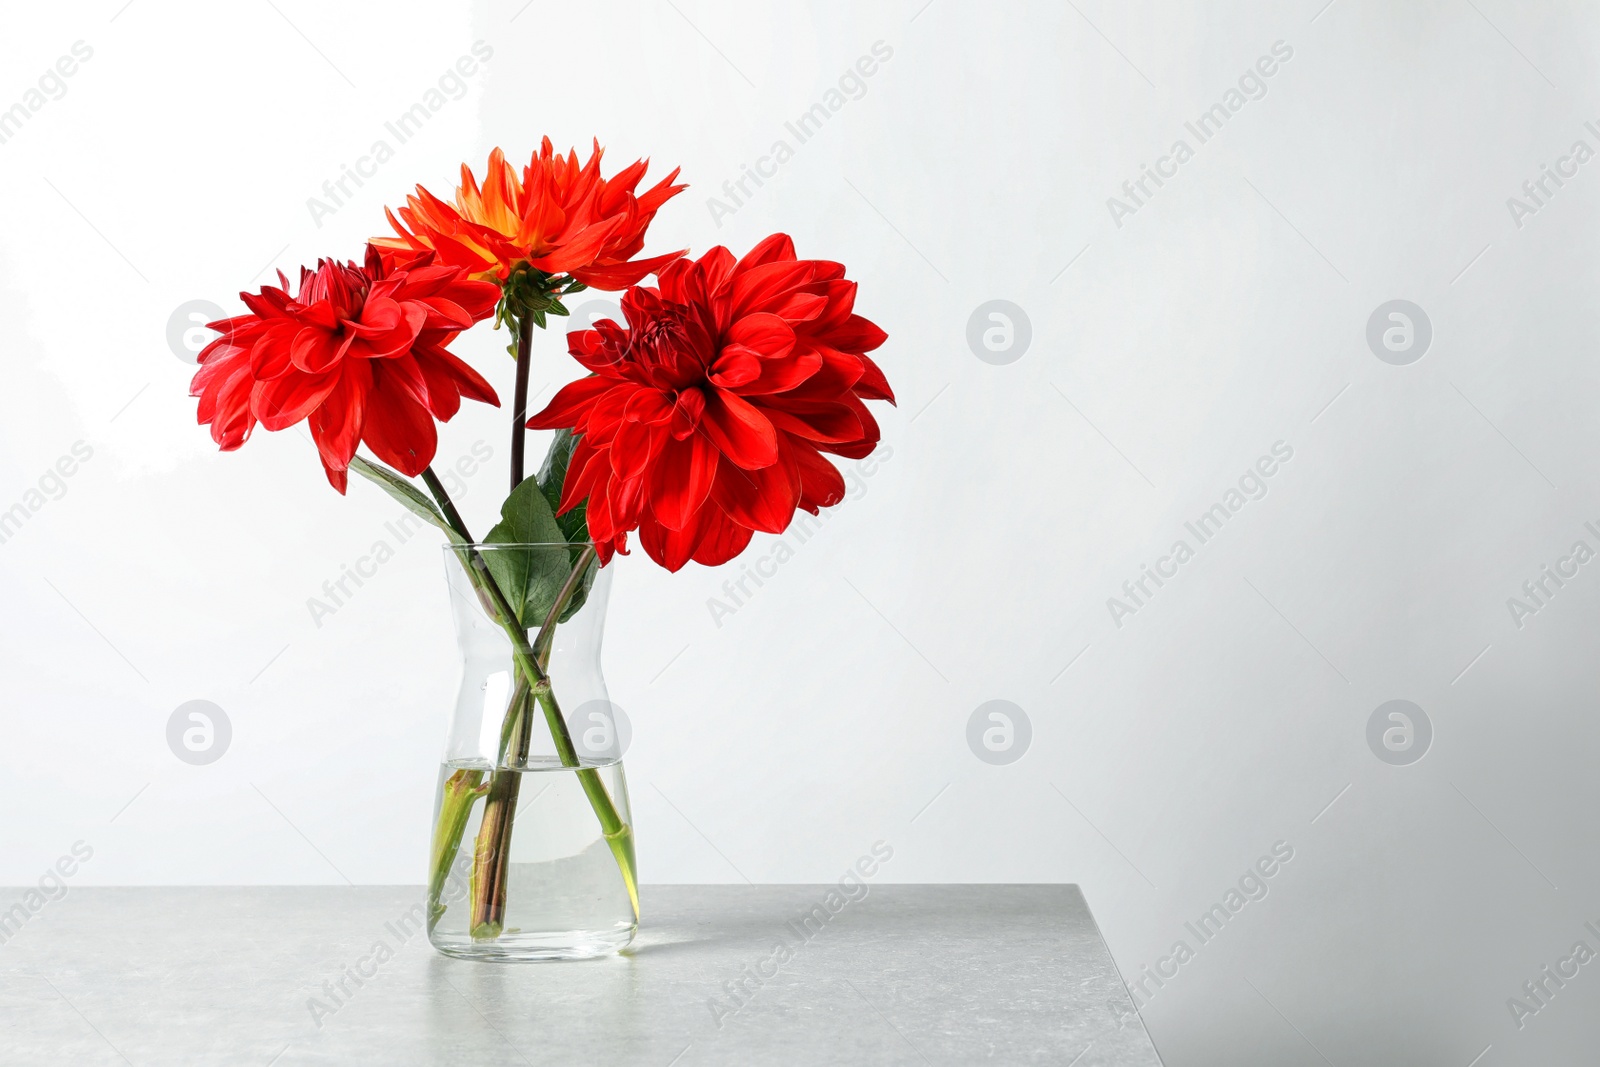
{"type": "Point", "coordinates": [782, 375]}
{"type": "Point", "coordinates": [580, 248]}
{"type": "Point", "coordinates": [672, 284]}
{"type": "Point", "coordinates": [228, 326]}
{"type": "Point", "coordinates": [741, 432]}
{"type": "Point", "coordinates": [542, 217]}
{"type": "Point", "coordinates": [836, 377]}
{"type": "Point", "coordinates": [765, 334]}
{"type": "Point", "coordinates": [269, 303]}
{"type": "Point", "coordinates": [762, 499]}
{"type": "Point", "coordinates": [587, 472]}
{"type": "Point", "coordinates": [690, 360]}
{"type": "Point", "coordinates": [461, 252]}
{"type": "Point", "coordinates": [466, 382]}
{"type": "Point", "coordinates": [873, 385]}
{"type": "Point", "coordinates": [398, 428]}
{"type": "Point", "coordinates": [648, 405]}
{"type": "Point", "coordinates": [281, 402]}
{"type": "Point", "coordinates": [403, 239]}
{"type": "Point", "coordinates": [633, 449]}
{"type": "Point", "coordinates": [388, 327]}
{"type": "Point", "coordinates": [269, 355]}
{"type": "Point", "coordinates": [777, 247]}
{"type": "Point", "coordinates": [768, 286]}
{"type": "Point", "coordinates": [403, 373]}
{"type": "Point", "coordinates": [598, 516]}
{"type": "Point", "coordinates": [444, 313]}
{"type": "Point", "coordinates": [316, 307]}
{"type": "Point", "coordinates": [658, 194]}
{"type": "Point", "coordinates": [229, 347]}
{"type": "Point", "coordinates": [670, 548]}
{"type": "Point", "coordinates": [687, 412]}
{"type": "Point", "coordinates": [821, 484]}
{"type": "Point", "coordinates": [477, 298]}
{"type": "Point", "coordinates": [737, 365]}
{"type": "Point", "coordinates": [223, 364]}
{"type": "Point", "coordinates": [315, 350]}
{"type": "Point", "coordinates": [829, 421]}
{"type": "Point", "coordinates": [851, 449]}
{"type": "Point", "coordinates": [714, 269]}
{"type": "Point", "coordinates": [225, 405]}
{"type": "Point", "coordinates": [423, 276]}
{"type": "Point", "coordinates": [621, 275]}
{"type": "Point", "coordinates": [681, 479]}
{"type": "Point", "coordinates": [499, 192]}
{"type": "Point", "coordinates": [441, 395]}
{"type": "Point", "coordinates": [870, 433]}
{"type": "Point", "coordinates": [336, 425]}
{"type": "Point", "coordinates": [625, 179]}
{"type": "Point", "coordinates": [568, 407]}
{"type": "Point", "coordinates": [801, 307]}
{"type": "Point", "coordinates": [721, 541]}
{"type": "Point", "coordinates": [223, 352]}
{"type": "Point", "coordinates": [628, 501]}
{"type": "Point", "coordinates": [379, 314]}
{"type": "Point", "coordinates": [604, 417]}
{"type": "Point", "coordinates": [856, 335]}
{"type": "Point", "coordinates": [602, 349]}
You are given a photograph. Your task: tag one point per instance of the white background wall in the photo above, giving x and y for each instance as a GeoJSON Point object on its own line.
{"type": "Point", "coordinates": [1168, 353]}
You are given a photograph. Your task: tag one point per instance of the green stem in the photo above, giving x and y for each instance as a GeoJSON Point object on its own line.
{"type": "Point", "coordinates": [515, 724]}
{"type": "Point", "coordinates": [446, 505]}
{"type": "Point", "coordinates": [519, 400]}
{"type": "Point", "coordinates": [456, 797]}
{"type": "Point", "coordinates": [491, 852]}
{"type": "Point", "coordinates": [547, 632]}
{"type": "Point", "coordinates": [618, 834]}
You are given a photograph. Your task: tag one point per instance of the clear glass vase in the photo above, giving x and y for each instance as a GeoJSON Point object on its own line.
{"type": "Point", "coordinates": [532, 848]}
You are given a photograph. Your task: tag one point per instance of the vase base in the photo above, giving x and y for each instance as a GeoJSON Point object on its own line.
{"type": "Point", "coordinates": [567, 892]}
{"type": "Point", "coordinates": [540, 947]}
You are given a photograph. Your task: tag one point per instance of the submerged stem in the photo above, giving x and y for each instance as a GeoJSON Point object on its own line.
{"type": "Point", "coordinates": [456, 797]}
{"type": "Point", "coordinates": [491, 853]}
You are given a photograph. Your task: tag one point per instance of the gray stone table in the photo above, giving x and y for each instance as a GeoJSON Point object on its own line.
{"type": "Point", "coordinates": [909, 974]}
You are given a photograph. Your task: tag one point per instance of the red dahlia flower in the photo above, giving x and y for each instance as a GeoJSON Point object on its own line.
{"type": "Point", "coordinates": [706, 417]}
{"type": "Point", "coordinates": [358, 351]}
{"type": "Point", "coordinates": [560, 219]}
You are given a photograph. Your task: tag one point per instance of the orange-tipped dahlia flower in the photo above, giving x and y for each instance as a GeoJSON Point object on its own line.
{"type": "Point", "coordinates": [560, 218]}
{"type": "Point", "coordinates": [359, 352]}
{"type": "Point", "coordinates": [706, 417]}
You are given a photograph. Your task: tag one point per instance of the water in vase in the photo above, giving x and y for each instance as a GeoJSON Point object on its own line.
{"type": "Point", "coordinates": [558, 892]}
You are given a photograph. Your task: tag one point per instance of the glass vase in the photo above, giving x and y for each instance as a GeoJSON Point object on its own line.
{"type": "Point", "coordinates": [532, 847]}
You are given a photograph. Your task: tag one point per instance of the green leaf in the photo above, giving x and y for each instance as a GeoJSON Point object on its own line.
{"type": "Point", "coordinates": [574, 524]}
{"type": "Point", "coordinates": [530, 579]}
{"type": "Point", "coordinates": [552, 477]}
{"type": "Point", "coordinates": [399, 487]}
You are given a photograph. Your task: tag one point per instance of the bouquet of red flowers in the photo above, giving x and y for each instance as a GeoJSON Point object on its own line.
{"type": "Point", "coordinates": [702, 420]}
